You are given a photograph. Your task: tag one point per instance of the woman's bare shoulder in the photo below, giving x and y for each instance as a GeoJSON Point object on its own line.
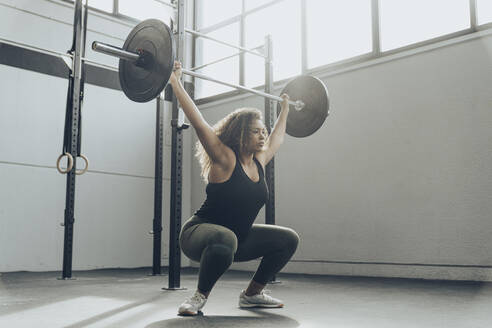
{"type": "Point", "coordinates": [221, 172]}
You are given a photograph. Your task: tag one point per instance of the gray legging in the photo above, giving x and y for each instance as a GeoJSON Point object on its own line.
{"type": "Point", "coordinates": [216, 247]}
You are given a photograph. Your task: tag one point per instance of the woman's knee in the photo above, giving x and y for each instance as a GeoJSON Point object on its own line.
{"type": "Point", "coordinates": [219, 253]}
{"type": "Point", "coordinates": [223, 237]}
{"type": "Point", "coordinates": [291, 239]}
{"type": "Point", "coordinates": [195, 239]}
{"type": "Point", "coordinates": [221, 247]}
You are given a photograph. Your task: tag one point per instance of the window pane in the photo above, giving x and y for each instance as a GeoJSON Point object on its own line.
{"type": "Point", "coordinates": [208, 51]}
{"type": "Point", "coordinates": [337, 30]}
{"type": "Point", "coordinates": [282, 21]}
{"type": "Point", "coordinates": [144, 9]}
{"type": "Point", "coordinates": [211, 12]}
{"type": "Point", "coordinates": [252, 4]}
{"type": "Point", "coordinates": [484, 11]}
{"type": "Point", "coordinates": [405, 22]}
{"type": "Point", "coordinates": [106, 5]}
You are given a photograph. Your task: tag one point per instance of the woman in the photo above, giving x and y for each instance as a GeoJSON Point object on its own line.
{"type": "Point", "coordinates": [233, 155]}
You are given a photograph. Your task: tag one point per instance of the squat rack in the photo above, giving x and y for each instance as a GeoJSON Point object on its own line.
{"type": "Point", "coordinates": [72, 136]}
{"type": "Point", "coordinates": [177, 142]}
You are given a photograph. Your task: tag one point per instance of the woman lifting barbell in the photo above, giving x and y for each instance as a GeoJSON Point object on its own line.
{"type": "Point", "coordinates": [233, 155]}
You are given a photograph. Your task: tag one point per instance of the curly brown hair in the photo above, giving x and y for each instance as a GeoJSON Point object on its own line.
{"type": "Point", "coordinates": [233, 131]}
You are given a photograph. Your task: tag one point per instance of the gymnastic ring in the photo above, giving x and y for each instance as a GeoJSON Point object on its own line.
{"type": "Point", "coordinates": [70, 163]}
{"type": "Point", "coordinates": [86, 165]}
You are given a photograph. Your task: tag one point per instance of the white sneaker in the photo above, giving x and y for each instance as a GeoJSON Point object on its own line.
{"type": "Point", "coordinates": [193, 305]}
{"type": "Point", "coordinates": [259, 300]}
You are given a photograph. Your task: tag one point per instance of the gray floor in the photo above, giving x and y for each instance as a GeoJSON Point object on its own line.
{"type": "Point", "coordinates": [130, 298]}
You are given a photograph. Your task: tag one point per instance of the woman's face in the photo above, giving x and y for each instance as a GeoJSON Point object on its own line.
{"type": "Point", "coordinates": [257, 136]}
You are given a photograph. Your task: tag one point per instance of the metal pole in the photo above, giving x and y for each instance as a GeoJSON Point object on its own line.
{"type": "Point", "coordinates": [176, 171]}
{"type": "Point", "coordinates": [473, 14]}
{"type": "Point", "coordinates": [242, 43]}
{"type": "Point", "coordinates": [222, 59]}
{"type": "Point", "coordinates": [304, 38]}
{"type": "Point", "coordinates": [205, 36]}
{"type": "Point", "coordinates": [376, 38]}
{"type": "Point", "coordinates": [157, 222]}
{"type": "Point", "coordinates": [69, 218]}
{"type": "Point", "coordinates": [269, 121]}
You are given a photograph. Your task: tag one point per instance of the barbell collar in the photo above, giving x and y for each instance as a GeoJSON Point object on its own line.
{"type": "Point", "coordinates": [299, 105]}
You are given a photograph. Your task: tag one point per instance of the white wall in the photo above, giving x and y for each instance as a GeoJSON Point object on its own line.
{"type": "Point", "coordinates": [397, 182]}
{"type": "Point", "coordinates": [114, 200]}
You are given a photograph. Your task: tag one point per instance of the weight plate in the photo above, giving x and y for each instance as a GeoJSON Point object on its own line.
{"type": "Point", "coordinates": [156, 40]}
{"type": "Point", "coordinates": [309, 119]}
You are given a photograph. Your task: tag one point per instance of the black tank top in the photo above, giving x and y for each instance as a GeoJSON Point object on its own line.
{"type": "Point", "coordinates": [236, 202]}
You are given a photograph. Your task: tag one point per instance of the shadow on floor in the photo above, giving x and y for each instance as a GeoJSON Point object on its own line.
{"type": "Point", "coordinates": [107, 314]}
{"type": "Point", "coordinates": [262, 319]}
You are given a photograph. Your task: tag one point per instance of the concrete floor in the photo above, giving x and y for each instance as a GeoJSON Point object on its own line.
{"type": "Point", "coordinates": [130, 298]}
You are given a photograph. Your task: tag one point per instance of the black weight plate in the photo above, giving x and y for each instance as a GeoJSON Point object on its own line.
{"type": "Point", "coordinates": [156, 39]}
{"type": "Point", "coordinates": [309, 119]}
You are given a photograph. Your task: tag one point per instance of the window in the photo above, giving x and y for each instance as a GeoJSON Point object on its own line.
{"type": "Point", "coordinates": [404, 22]}
{"type": "Point", "coordinates": [106, 5]}
{"type": "Point", "coordinates": [337, 30]}
{"type": "Point", "coordinates": [211, 12]}
{"type": "Point", "coordinates": [144, 9]}
{"type": "Point", "coordinates": [484, 11]}
{"type": "Point", "coordinates": [227, 70]}
{"type": "Point", "coordinates": [252, 4]}
{"type": "Point", "coordinates": [282, 21]}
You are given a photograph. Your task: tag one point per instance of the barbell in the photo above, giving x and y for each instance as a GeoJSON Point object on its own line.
{"type": "Point", "coordinates": [147, 61]}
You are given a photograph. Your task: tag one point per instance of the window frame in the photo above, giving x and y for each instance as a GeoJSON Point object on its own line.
{"type": "Point", "coordinates": [116, 14]}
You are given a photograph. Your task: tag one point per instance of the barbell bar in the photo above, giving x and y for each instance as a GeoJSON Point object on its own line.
{"type": "Point", "coordinates": [147, 62]}
{"type": "Point", "coordinates": [298, 104]}
{"type": "Point", "coordinates": [142, 59]}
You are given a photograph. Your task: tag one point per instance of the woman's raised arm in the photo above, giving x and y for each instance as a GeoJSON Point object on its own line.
{"type": "Point", "coordinates": [277, 135]}
{"type": "Point", "coordinates": [218, 152]}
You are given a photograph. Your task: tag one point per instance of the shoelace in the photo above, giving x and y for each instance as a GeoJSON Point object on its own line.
{"type": "Point", "coordinates": [196, 299]}
{"type": "Point", "coordinates": [267, 297]}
